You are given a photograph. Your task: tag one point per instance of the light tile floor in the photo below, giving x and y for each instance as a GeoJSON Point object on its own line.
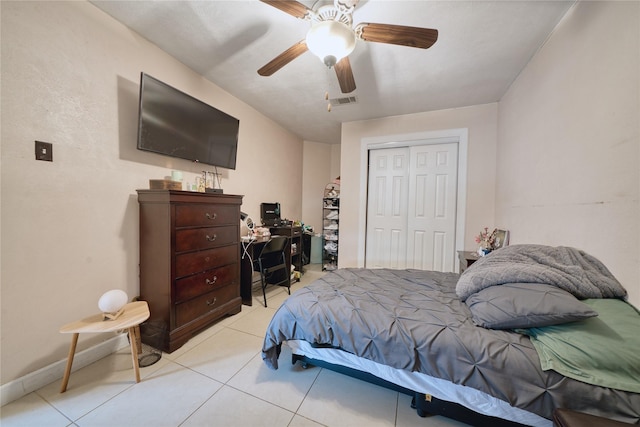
{"type": "Point", "coordinates": [217, 379]}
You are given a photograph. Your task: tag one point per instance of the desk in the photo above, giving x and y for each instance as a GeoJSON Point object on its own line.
{"type": "Point", "coordinates": [249, 250]}
{"type": "Point", "coordinates": [134, 314]}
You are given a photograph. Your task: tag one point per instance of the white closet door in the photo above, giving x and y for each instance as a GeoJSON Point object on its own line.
{"type": "Point", "coordinates": [411, 207]}
{"type": "Point", "coordinates": [386, 240]}
{"type": "Point", "coordinates": [431, 217]}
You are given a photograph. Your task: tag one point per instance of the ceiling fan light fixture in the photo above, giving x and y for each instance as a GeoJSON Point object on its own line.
{"type": "Point", "coordinates": [331, 41]}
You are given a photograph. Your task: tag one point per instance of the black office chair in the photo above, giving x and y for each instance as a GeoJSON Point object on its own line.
{"type": "Point", "coordinates": [272, 264]}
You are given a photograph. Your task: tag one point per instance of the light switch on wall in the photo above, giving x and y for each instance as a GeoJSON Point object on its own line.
{"type": "Point", "coordinates": [44, 151]}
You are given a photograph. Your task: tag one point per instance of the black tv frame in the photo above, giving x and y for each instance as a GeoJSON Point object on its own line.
{"type": "Point", "coordinates": [175, 124]}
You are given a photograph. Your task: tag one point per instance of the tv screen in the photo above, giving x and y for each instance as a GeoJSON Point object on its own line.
{"type": "Point", "coordinates": [172, 123]}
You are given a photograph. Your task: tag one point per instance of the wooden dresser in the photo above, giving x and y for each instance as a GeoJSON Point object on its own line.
{"type": "Point", "coordinates": [189, 263]}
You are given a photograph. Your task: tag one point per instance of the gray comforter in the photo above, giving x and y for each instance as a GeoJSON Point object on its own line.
{"type": "Point", "coordinates": [413, 320]}
{"type": "Point", "coordinates": [570, 269]}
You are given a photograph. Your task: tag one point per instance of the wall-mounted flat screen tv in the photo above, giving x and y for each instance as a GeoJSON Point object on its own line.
{"type": "Point", "coordinates": [175, 124]}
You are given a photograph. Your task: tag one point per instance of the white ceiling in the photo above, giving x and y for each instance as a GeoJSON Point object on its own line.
{"type": "Point", "coordinates": [481, 48]}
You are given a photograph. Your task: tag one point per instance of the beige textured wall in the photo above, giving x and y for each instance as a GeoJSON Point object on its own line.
{"type": "Point", "coordinates": [317, 173]}
{"type": "Point", "coordinates": [335, 160]}
{"type": "Point", "coordinates": [481, 122]}
{"type": "Point", "coordinates": [70, 76]}
{"type": "Point", "coordinates": [569, 141]}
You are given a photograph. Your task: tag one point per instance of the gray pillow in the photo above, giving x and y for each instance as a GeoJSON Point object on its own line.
{"type": "Point", "coordinates": [525, 305]}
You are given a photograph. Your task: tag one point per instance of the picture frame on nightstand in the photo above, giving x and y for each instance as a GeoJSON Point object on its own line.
{"type": "Point", "coordinates": [502, 239]}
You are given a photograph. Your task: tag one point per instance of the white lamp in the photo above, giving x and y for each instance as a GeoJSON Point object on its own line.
{"type": "Point", "coordinates": [331, 41]}
{"type": "Point", "coordinates": [112, 302]}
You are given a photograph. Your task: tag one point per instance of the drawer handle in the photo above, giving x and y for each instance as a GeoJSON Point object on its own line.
{"type": "Point", "coordinates": [209, 216]}
{"type": "Point", "coordinates": [211, 282]}
{"type": "Point", "coordinates": [210, 303]}
{"type": "Point", "coordinates": [212, 239]}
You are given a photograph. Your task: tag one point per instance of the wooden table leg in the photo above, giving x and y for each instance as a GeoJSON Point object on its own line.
{"type": "Point", "coordinates": [134, 352]}
{"type": "Point", "coordinates": [67, 371]}
{"type": "Point", "coordinates": [138, 339]}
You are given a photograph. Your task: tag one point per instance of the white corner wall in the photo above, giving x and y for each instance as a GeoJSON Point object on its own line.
{"type": "Point", "coordinates": [70, 76]}
{"type": "Point", "coordinates": [569, 141]}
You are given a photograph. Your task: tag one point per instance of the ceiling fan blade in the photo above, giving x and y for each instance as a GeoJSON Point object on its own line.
{"type": "Point", "coordinates": [293, 8]}
{"type": "Point", "coordinates": [345, 75]}
{"type": "Point", "coordinates": [397, 34]}
{"type": "Point", "coordinates": [284, 58]}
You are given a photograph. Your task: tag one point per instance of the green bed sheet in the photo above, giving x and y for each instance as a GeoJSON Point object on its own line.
{"type": "Point", "coordinates": [602, 350]}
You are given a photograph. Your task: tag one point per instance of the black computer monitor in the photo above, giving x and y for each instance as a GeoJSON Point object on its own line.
{"type": "Point", "coordinates": [270, 213]}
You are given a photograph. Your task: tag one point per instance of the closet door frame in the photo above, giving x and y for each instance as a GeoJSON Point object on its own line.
{"type": "Point", "coordinates": [458, 136]}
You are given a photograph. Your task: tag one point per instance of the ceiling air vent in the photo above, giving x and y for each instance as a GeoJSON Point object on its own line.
{"type": "Point", "coordinates": [336, 102]}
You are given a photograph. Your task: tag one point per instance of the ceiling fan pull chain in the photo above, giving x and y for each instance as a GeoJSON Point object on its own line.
{"type": "Point", "coordinates": [326, 98]}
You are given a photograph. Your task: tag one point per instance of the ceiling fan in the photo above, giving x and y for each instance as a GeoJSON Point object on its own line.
{"type": "Point", "coordinates": [332, 37]}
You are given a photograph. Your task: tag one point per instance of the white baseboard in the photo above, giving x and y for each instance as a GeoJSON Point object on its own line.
{"type": "Point", "coordinates": [35, 380]}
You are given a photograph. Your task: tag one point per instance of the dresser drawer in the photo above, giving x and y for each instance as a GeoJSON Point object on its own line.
{"type": "Point", "coordinates": [192, 309]}
{"type": "Point", "coordinates": [196, 262]}
{"type": "Point", "coordinates": [202, 238]}
{"type": "Point", "coordinates": [207, 281]}
{"type": "Point", "coordinates": [203, 215]}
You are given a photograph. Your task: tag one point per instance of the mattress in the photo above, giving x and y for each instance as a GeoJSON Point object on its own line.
{"type": "Point", "coordinates": [413, 321]}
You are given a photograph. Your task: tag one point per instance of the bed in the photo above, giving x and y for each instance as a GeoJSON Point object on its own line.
{"type": "Point", "coordinates": [523, 331]}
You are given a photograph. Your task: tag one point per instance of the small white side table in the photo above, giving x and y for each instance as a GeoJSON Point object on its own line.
{"type": "Point", "coordinates": [134, 314]}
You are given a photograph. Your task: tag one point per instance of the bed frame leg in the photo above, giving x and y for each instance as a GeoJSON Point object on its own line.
{"type": "Point", "coordinates": [419, 397]}
{"type": "Point", "coordinates": [295, 358]}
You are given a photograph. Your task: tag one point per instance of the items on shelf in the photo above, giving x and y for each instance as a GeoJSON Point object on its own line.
{"type": "Point", "coordinates": [330, 225]}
